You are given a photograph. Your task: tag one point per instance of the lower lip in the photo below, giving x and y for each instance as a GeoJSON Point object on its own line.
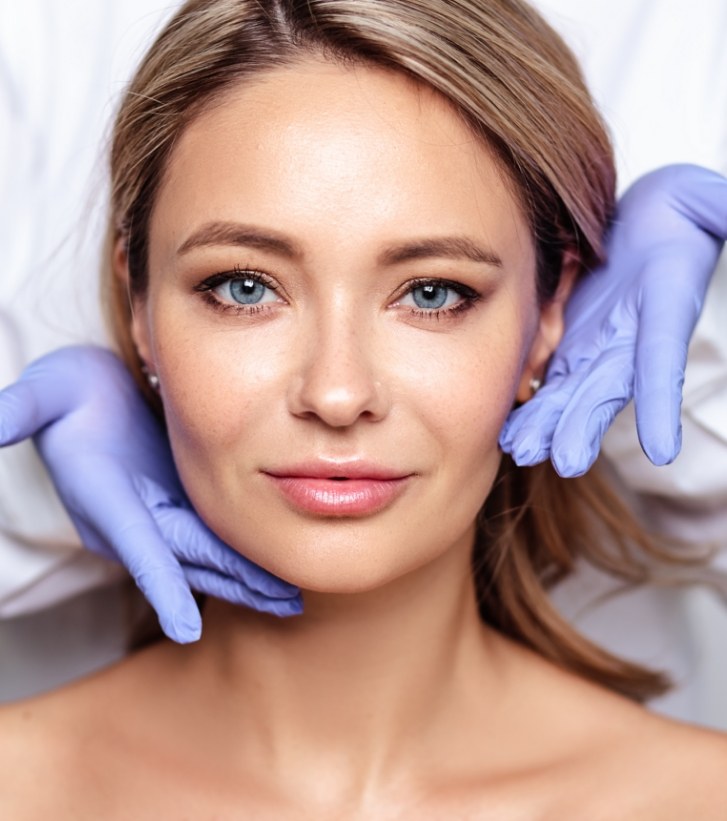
{"type": "Point", "coordinates": [349, 497]}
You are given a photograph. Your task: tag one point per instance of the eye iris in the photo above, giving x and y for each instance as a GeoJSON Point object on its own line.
{"type": "Point", "coordinates": [430, 296]}
{"type": "Point", "coordinates": [246, 291]}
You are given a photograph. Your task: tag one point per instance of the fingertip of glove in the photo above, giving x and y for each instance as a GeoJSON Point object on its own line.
{"type": "Point", "coordinates": [504, 438]}
{"type": "Point", "coordinates": [505, 445]}
{"type": "Point", "coordinates": [526, 457]}
{"type": "Point", "coordinates": [528, 449]}
{"type": "Point", "coordinates": [183, 634]}
{"type": "Point", "coordinates": [294, 607]}
{"type": "Point", "coordinates": [661, 439]}
{"type": "Point", "coordinates": [183, 628]}
{"type": "Point", "coordinates": [661, 454]}
{"type": "Point", "coordinates": [570, 465]}
{"type": "Point", "coordinates": [285, 608]}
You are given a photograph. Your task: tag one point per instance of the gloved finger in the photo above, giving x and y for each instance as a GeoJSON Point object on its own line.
{"type": "Point", "coordinates": [25, 409]}
{"type": "Point", "coordinates": [160, 578]}
{"type": "Point", "coordinates": [665, 328]}
{"type": "Point", "coordinates": [137, 543]}
{"type": "Point", "coordinates": [194, 543]}
{"type": "Point", "coordinates": [593, 406]}
{"type": "Point", "coordinates": [658, 397]}
{"type": "Point", "coordinates": [156, 496]}
{"type": "Point", "coordinates": [92, 540]}
{"type": "Point", "coordinates": [702, 196]}
{"type": "Point", "coordinates": [47, 389]}
{"type": "Point", "coordinates": [222, 587]}
{"type": "Point", "coordinates": [529, 430]}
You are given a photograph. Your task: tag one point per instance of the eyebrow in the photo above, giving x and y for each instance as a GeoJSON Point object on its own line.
{"type": "Point", "coordinates": [448, 247]}
{"type": "Point", "coordinates": [238, 234]}
{"type": "Point", "coordinates": [234, 233]}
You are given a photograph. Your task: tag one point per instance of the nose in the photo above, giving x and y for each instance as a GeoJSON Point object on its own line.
{"type": "Point", "coordinates": [338, 380]}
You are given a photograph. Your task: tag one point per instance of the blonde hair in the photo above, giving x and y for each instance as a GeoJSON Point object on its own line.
{"type": "Point", "coordinates": [516, 84]}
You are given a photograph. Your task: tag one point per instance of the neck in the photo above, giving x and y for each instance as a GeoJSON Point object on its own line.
{"type": "Point", "coordinates": [357, 684]}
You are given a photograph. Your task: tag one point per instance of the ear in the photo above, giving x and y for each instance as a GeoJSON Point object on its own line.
{"type": "Point", "coordinates": [550, 329]}
{"type": "Point", "coordinates": [139, 319]}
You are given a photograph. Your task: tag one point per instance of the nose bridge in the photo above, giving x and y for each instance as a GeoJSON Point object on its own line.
{"type": "Point", "coordinates": [338, 379]}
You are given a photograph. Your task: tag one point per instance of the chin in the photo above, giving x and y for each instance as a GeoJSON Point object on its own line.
{"type": "Point", "coordinates": [341, 582]}
{"type": "Point", "coordinates": [346, 564]}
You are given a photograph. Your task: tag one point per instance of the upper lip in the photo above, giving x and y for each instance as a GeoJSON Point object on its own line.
{"type": "Point", "coordinates": [337, 469]}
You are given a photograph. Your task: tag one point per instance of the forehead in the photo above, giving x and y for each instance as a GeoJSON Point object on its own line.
{"type": "Point", "coordinates": [348, 147]}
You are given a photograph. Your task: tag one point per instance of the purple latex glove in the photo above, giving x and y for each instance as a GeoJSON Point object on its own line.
{"type": "Point", "coordinates": [112, 467]}
{"type": "Point", "coordinates": [628, 326]}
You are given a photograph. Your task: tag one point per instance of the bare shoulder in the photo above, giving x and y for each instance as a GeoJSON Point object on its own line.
{"type": "Point", "coordinates": [49, 749]}
{"type": "Point", "coordinates": [657, 768]}
{"type": "Point", "coordinates": [613, 758]}
{"type": "Point", "coordinates": [31, 755]}
{"type": "Point", "coordinates": [686, 766]}
{"type": "Point", "coordinates": [70, 753]}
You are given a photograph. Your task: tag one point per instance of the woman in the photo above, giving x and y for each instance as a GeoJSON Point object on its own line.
{"type": "Point", "coordinates": [342, 235]}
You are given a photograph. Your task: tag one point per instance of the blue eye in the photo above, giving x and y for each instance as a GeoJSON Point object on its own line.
{"type": "Point", "coordinates": [247, 291]}
{"type": "Point", "coordinates": [430, 296]}
{"type": "Point", "coordinates": [435, 296]}
{"type": "Point", "coordinates": [439, 299]}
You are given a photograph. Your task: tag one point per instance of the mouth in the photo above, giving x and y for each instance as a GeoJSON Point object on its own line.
{"type": "Point", "coordinates": [335, 491]}
{"type": "Point", "coordinates": [339, 471]}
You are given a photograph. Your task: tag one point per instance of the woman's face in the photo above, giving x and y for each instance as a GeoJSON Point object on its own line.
{"type": "Point", "coordinates": [341, 310]}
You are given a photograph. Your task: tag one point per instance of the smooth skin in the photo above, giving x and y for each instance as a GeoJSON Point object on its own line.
{"type": "Point", "coordinates": [388, 698]}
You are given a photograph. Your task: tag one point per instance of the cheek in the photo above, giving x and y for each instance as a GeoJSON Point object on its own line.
{"type": "Point", "coordinates": [216, 389]}
{"type": "Point", "coordinates": [467, 387]}
{"type": "Point", "coordinates": [464, 391]}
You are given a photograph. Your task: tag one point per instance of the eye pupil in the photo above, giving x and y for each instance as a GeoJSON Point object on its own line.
{"type": "Point", "coordinates": [247, 291]}
{"type": "Point", "coordinates": [430, 296]}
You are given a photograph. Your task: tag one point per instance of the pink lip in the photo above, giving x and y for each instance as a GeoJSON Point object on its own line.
{"type": "Point", "coordinates": [339, 489]}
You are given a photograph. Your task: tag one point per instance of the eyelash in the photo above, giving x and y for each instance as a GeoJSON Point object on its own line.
{"type": "Point", "coordinates": [469, 297]}
{"type": "Point", "coordinates": [207, 287]}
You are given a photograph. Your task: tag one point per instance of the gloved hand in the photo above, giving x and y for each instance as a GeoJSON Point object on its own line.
{"type": "Point", "coordinates": [628, 326]}
{"type": "Point", "coordinates": [112, 467]}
